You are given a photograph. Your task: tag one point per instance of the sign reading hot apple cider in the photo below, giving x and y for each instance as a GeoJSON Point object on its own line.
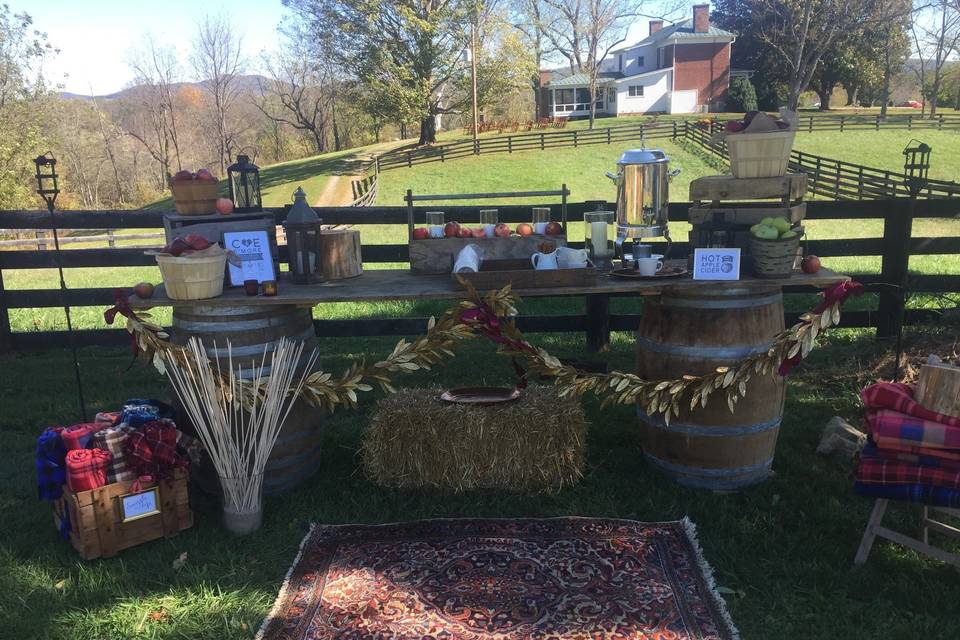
{"type": "Point", "coordinates": [716, 264]}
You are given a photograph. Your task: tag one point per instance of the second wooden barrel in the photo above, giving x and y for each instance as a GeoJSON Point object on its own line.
{"type": "Point", "coordinates": [694, 332]}
{"type": "Point", "coordinates": [251, 329]}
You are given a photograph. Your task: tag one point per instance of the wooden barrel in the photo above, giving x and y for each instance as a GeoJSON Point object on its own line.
{"type": "Point", "coordinates": [693, 332]}
{"type": "Point", "coordinates": [251, 329]}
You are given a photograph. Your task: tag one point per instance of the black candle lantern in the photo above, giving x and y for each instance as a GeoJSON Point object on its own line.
{"type": "Point", "coordinates": [244, 179]}
{"type": "Point", "coordinates": [302, 227]}
{"type": "Point", "coordinates": [47, 186]}
{"type": "Point", "coordinates": [916, 165]}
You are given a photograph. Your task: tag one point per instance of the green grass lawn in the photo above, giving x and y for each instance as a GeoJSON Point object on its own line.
{"type": "Point", "coordinates": [782, 551]}
{"type": "Point", "coordinates": [883, 149]}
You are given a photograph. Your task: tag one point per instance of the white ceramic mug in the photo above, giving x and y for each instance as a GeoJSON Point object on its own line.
{"type": "Point", "coordinates": [543, 261]}
{"type": "Point", "coordinates": [568, 258]}
{"type": "Point", "coordinates": [649, 266]}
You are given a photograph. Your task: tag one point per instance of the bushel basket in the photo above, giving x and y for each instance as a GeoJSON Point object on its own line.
{"type": "Point", "coordinates": [193, 278]}
{"type": "Point", "coordinates": [775, 258]}
{"type": "Point", "coordinates": [760, 155]}
{"type": "Point", "coordinates": [195, 197]}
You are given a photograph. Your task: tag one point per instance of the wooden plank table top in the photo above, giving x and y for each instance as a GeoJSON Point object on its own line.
{"type": "Point", "coordinates": [396, 284]}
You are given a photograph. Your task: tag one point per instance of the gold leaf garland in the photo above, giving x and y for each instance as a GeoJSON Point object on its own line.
{"type": "Point", "coordinates": [490, 315]}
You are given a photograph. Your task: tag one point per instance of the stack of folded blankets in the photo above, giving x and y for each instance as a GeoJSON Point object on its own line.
{"type": "Point", "coordinates": [141, 440]}
{"type": "Point", "coordinates": [913, 453]}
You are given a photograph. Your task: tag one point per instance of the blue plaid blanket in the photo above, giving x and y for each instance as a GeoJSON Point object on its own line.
{"type": "Point", "coordinates": [51, 464]}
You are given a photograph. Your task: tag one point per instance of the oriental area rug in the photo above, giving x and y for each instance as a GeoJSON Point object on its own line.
{"type": "Point", "coordinates": [557, 578]}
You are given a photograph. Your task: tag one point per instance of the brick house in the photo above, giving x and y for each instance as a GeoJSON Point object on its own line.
{"type": "Point", "coordinates": [678, 68]}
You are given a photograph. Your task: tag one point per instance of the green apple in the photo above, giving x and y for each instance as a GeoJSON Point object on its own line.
{"type": "Point", "coordinates": [766, 232]}
{"type": "Point", "coordinates": [770, 222]}
{"type": "Point", "coordinates": [781, 225]}
{"type": "Point", "coordinates": [788, 235]}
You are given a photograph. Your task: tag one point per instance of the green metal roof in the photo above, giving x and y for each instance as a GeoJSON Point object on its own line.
{"type": "Point", "coordinates": [581, 79]}
{"type": "Point", "coordinates": [680, 31]}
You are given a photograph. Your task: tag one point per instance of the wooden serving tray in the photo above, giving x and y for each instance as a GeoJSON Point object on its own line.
{"type": "Point", "coordinates": [496, 274]}
{"type": "Point", "coordinates": [437, 255]}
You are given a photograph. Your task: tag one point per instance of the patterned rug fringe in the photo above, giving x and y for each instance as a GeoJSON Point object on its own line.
{"type": "Point", "coordinates": [278, 603]}
{"type": "Point", "coordinates": [718, 600]}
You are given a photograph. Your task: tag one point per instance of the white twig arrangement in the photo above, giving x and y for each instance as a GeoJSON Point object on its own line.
{"type": "Point", "coordinates": [238, 428]}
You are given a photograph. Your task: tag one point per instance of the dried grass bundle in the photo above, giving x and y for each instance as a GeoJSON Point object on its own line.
{"type": "Point", "coordinates": [536, 443]}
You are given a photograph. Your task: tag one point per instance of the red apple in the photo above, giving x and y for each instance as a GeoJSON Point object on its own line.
{"type": "Point", "coordinates": [810, 264]}
{"type": "Point", "coordinates": [464, 232]}
{"type": "Point", "coordinates": [783, 125]}
{"type": "Point", "coordinates": [204, 175]}
{"type": "Point", "coordinates": [196, 241]}
{"type": "Point", "coordinates": [553, 229]}
{"type": "Point", "coordinates": [451, 229]}
{"type": "Point", "coordinates": [479, 232]}
{"type": "Point", "coordinates": [224, 206]}
{"type": "Point", "coordinates": [748, 117]}
{"type": "Point", "coordinates": [734, 126]}
{"type": "Point", "coordinates": [525, 229]}
{"type": "Point", "coordinates": [182, 176]}
{"type": "Point", "coordinates": [143, 290]}
{"type": "Point", "coordinates": [501, 230]}
{"type": "Point", "coordinates": [177, 247]}
{"type": "Point", "coordinates": [421, 233]}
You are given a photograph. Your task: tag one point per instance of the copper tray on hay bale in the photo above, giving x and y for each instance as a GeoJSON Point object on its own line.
{"type": "Point", "coordinates": [496, 274]}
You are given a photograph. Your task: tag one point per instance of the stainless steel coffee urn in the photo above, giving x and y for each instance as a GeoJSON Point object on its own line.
{"type": "Point", "coordinates": [643, 185]}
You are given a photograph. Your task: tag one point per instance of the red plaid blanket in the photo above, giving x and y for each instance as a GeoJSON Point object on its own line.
{"type": "Point", "coordinates": [889, 427]}
{"type": "Point", "coordinates": [78, 435]}
{"type": "Point", "coordinates": [87, 469]}
{"type": "Point", "coordinates": [877, 470]}
{"type": "Point", "coordinates": [152, 449]}
{"type": "Point", "coordinates": [899, 397]}
{"type": "Point", "coordinates": [940, 458]}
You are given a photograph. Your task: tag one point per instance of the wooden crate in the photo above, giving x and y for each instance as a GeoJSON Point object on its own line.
{"type": "Point", "coordinates": [789, 189]}
{"type": "Point", "coordinates": [496, 274]}
{"type": "Point", "coordinates": [436, 255]}
{"type": "Point", "coordinates": [96, 529]}
{"type": "Point", "coordinates": [746, 213]}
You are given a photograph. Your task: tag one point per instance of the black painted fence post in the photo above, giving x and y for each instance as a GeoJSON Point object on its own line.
{"type": "Point", "coordinates": [6, 338]}
{"type": "Point", "coordinates": [598, 322]}
{"type": "Point", "coordinates": [897, 230]}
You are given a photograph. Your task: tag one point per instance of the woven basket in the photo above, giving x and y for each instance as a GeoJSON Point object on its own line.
{"type": "Point", "coordinates": [193, 278]}
{"type": "Point", "coordinates": [760, 155]}
{"type": "Point", "coordinates": [195, 198]}
{"type": "Point", "coordinates": [775, 258]}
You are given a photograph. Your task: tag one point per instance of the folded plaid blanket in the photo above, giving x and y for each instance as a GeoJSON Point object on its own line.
{"type": "Point", "coordinates": [87, 469]}
{"type": "Point", "coordinates": [937, 458]}
{"type": "Point", "coordinates": [881, 471]}
{"type": "Point", "coordinates": [138, 411]}
{"type": "Point", "coordinates": [920, 493]}
{"type": "Point", "coordinates": [78, 436]}
{"type": "Point", "coordinates": [113, 439]}
{"type": "Point", "coordinates": [899, 397]}
{"type": "Point", "coordinates": [888, 427]}
{"type": "Point", "coordinates": [51, 464]}
{"type": "Point", "coordinates": [152, 449]}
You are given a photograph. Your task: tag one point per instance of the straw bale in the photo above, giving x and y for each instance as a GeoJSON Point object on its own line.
{"type": "Point", "coordinates": [535, 443]}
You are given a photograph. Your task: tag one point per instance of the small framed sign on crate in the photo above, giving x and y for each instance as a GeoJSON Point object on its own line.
{"type": "Point", "coordinates": [142, 504]}
{"type": "Point", "coordinates": [716, 264]}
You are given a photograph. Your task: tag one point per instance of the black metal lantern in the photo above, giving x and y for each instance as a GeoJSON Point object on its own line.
{"type": "Point", "coordinates": [244, 179]}
{"type": "Point", "coordinates": [916, 165]}
{"type": "Point", "coordinates": [47, 185]}
{"type": "Point", "coordinates": [302, 227]}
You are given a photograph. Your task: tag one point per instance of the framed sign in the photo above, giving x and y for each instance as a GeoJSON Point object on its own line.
{"type": "Point", "coordinates": [253, 249]}
{"type": "Point", "coordinates": [134, 506]}
{"type": "Point", "coordinates": [716, 264]}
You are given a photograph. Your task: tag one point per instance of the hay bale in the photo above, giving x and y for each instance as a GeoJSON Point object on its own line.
{"type": "Point", "coordinates": [535, 443]}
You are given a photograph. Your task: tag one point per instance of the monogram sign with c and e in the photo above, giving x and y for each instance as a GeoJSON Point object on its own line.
{"type": "Point", "coordinates": [253, 249]}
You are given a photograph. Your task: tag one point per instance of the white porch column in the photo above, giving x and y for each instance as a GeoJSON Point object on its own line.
{"type": "Point", "coordinates": [553, 102]}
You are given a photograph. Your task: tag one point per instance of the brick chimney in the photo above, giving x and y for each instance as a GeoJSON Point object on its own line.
{"type": "Point", "coordinates": [701, 18]}
{"type": "Point", "coordinates": [655, 25]}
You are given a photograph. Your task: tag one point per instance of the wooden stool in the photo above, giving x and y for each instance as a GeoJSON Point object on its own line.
{"type": "Point", "coordinates": [874, 529]}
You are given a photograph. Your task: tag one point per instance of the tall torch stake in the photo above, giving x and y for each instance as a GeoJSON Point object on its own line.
{"type": "Point", "coordinates": [47, 189]}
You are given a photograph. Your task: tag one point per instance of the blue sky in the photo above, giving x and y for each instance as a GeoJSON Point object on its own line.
{"type": "Point", "coordinates": [96, 36]}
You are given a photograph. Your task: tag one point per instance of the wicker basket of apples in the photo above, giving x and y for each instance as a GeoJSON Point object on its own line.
{"type": "Point", "coordinates": [774, 247]}
{"type": "Point", "coordinates": [192, 268]}
{"type": "Point", "coordinates": [759, 144]}
{"type": "Point", "coordinates": [194, 194]}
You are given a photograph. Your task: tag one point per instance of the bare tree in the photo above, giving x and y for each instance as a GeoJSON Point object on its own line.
{"type": "Point", "coordinates": [218, 61]}
{"type": "Point", "coordinates": [157, 70]}
{"type": "Point", "coordinates": [584, 31]}
{"type": "Point", "coordinates": [936, 39]}
{"type": "Point", "coordinates": [108, 138]}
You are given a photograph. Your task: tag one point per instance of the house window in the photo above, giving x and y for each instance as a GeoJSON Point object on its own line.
{"type": "Point", "coordinates": [620, 62]}
{"type": "Point", "coordinates": [640, 61]}
{"type": "Point", "coordinates": [635, 91]}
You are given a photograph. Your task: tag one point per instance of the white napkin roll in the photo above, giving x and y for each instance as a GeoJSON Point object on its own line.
{"type": "Point", "coordinates": [468, 259]}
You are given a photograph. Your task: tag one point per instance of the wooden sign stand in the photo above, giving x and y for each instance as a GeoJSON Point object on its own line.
{"type": "Point", "coordinates": [922, 545]}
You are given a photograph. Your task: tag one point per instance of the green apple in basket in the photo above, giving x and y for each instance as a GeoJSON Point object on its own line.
{"type": "Point", "coordinates": [764, 231]}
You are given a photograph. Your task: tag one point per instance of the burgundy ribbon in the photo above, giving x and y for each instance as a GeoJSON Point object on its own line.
{"type": "Point", "coordinates": [121, 305]}
{"type": "Point", "coordinates": [137, 484]}
{"type": "Point", "coordinates": [838, 294]}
